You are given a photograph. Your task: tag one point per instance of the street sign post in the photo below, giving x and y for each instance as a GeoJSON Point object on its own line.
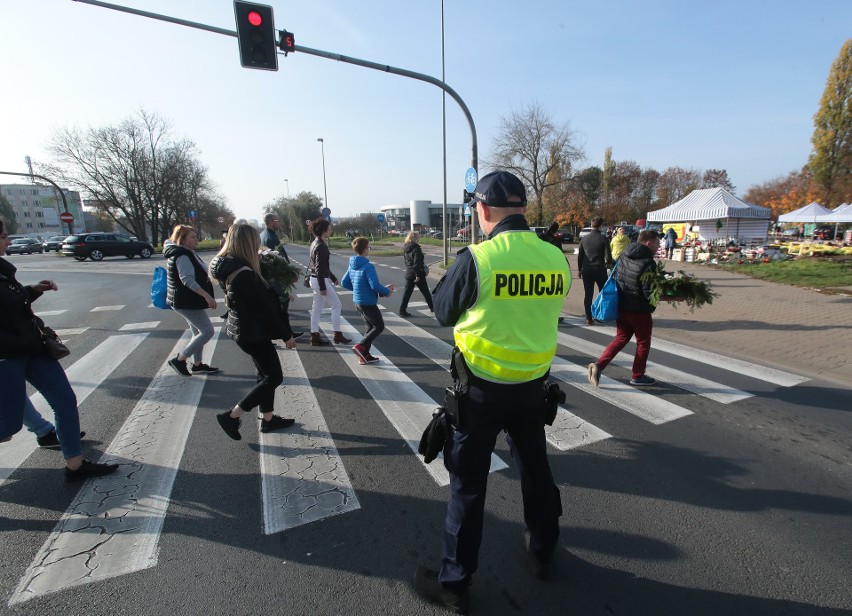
{"type": "Point", "coordinates": [66, 217]}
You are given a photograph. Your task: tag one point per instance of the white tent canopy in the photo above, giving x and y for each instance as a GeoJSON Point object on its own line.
{"type": "Point", "coordinates": [730, 216]}
{"type": "Point", "coordinates": [842, 213]}
{"type": "Point", "coordinates": [809, 213]}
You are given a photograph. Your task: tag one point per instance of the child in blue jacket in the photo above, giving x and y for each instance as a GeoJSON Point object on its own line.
{"type": "Point", "coordinates": [361, 278]}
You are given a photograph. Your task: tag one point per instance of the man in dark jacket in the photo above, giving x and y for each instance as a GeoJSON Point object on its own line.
{"type": "Point", "coordinates": [634, 309]}
{"type": "Point", "coordinates": [593, 258]}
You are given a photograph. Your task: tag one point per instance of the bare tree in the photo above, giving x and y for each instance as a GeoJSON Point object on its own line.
{"type": "Point", "coordinates": [541, 152]}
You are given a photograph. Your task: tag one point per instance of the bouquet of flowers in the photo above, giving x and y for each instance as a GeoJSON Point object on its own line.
{"type": "Point", "coordinates": [677, 287]}
{"type": "Point", "coordinates": [279, 272]}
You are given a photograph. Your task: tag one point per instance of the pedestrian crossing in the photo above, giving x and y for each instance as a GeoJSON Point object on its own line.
{"type": "Point", "coordinates": [113, 525]}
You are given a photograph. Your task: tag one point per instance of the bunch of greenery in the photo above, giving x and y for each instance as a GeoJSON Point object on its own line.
{"type": "Point", "coordinates": [677, 287]}
{"type": "Point", "coordinates": [279, 272]}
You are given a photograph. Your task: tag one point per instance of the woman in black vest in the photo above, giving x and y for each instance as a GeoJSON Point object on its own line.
{"type": "Point", "coordinates": [190, 294]}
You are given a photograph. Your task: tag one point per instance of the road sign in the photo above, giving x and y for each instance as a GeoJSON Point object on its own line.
{"type": "Point", "coordinates": [66, 217]}
{"type": "Point", "coordinates": [470, 180]}
{"type": "Point", "coordinates": [326, 212]}
{"type": "Point", "coordinates": [192, 213]}
{"type": "Point", "coordinates": [221, 219]}
{"type": "Point", "coordinates": [467, 209]}
{"type": "Point", "coordinates": [380, 217]}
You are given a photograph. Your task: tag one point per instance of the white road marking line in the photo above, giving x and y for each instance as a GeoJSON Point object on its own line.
{"type": "Point", "coordinates": [49, 313]}
{"type": "Point", "coordinates": [755, 371]}
{"type": "Point", "coordinates": [105, 308]}
{"type": "Point", "coordinates": [417, 304]}
{"type": "Point", "coordinates": [135, 326]}
{"type": "Point", "coordinates": [70, 332]}
{"type": "Point", "coordinates": [113, 526]}
{"type": "Point", "coordinates": [303, 477]}
{"type": "Point", "coordinates": [393, 267]}
{"type": "Point", "coordinates": [403, 402]}
{"type": "Point", "coordinates": [567, 432]}
{"type": "Point", "coordinates": [85, 376]}
{"type": "Point", "coordinates": [689, 382]}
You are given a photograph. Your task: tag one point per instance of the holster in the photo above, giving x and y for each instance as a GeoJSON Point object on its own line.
{"type": "Point", "coordinates": [553, 397]}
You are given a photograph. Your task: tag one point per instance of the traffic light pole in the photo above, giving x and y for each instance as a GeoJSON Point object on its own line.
{"type": "Point", "coordinates": [52, 183]}
{"type": "Point", "coordinates": [474, 156]}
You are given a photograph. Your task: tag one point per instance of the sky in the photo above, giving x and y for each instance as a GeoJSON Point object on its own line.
{"type": "Point", "coordinates": [725, 85]}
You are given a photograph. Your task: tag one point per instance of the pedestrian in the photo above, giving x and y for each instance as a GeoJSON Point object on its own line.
{"type": "Point", "coordinates": [255, 319]}
{"type": "Point", "coordinates": [593, 258]}
{"type": "Point", "coordinates": [634, 309]}
{"type": "Point", "coordinates": [190, 294]}
{"type": "Point", "coordinates": [361, 278]}
{"type": "Point", "coordinates": [671, 242]}
{"type": "Point", "coordinates": [269, 236]}
{"type": "Point", "coordinates": [44, 431]}
{"type": "Point", "coordinates": [549, 235]}
{"type": "Point", "coordinates": [25, 359]}
{"type": "Point", "coordinates": [618, 243]}
{"type": "Point", "coordinates": [511, 278]}
{"type": "Point", "coordinates": [323, 282]}
{"type": "Point", "coordinates": [415, 273]}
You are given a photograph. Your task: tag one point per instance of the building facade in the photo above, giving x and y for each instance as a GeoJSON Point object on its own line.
{"type": "Point", "coordinates": [37, 208]}
{"type": "Point", "coordinates": [421, 215]}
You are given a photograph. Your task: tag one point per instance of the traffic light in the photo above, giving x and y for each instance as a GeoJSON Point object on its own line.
{"type": "Point", "coordinates": [256, 35]}
{"type": "Point", "coordinates": [288, 41]}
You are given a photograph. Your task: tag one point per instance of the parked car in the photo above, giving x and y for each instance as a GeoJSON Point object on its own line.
{"type": "Point", "coordinates": [24, 246]}
{"type": "Point", "coordinates": [565, 236]}
{"type": "Point", "coordinates": [824, 232]}
{"type": "Point", "coordinates": [793, 232]}
{"type": "Point", "coordinates": [585, 231]}
{"type": "Point", "coordinates": [54, 243]}
{"type": "Point", "coordinates": [96, 246]}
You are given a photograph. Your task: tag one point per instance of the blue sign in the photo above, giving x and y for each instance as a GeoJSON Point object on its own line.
{"type": "Point", "coordinates": [326, 212]}
{"type": "Point", "coordinates": [192, 213]}
{"type": "Point", "coordinates": [380, 217]}
{"type": "Point", "coordinates": [467, 209]}
{"type": "Point", "coordinates": [470, 180]}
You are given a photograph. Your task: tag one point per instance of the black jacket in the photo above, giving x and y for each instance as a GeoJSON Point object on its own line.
{"type": "Point", "coordinates": [632, 292]}
{"type": "Point", "coordinates": [178, 294]}
{"type": "Point", "coordinates": [319, 263]}
{"type": "Point", "coordinates": [594, 251]}
{"type": "Point", "coordinates": [415, 267]}
{"type": "Point", "coordinates": [19, 327]}
{"type": "Point", "coordinates": [254, 312]}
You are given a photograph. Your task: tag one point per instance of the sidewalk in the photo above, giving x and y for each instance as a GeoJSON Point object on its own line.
{"type": "Point", "coordinates": [789, 328]}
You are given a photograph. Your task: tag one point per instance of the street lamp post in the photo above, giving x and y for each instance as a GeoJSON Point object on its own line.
{"type": "Point", "coordinates": [324, 187]}
{"type": "Point", "coordinates": [286, 181]}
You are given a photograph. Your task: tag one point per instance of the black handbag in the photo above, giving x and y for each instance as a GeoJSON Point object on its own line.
{"type": "Point", "coordinates": [55, 347]}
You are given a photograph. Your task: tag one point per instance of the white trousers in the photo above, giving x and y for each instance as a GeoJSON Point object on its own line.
{"type": "Point", "coordinates": [330, 300]}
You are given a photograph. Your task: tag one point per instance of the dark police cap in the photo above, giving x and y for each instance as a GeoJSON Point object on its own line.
{"type": "Point", "coordinates": [496, 188]}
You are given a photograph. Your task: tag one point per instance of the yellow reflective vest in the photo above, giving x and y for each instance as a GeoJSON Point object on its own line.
{"type": "Point", "coordinates": [509, 334]}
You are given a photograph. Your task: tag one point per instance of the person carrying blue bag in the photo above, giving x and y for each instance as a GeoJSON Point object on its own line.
{"type": "Point", "coordinates": [634, 308]}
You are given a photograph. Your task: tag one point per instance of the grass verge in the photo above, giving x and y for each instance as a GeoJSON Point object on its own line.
{"type": "Point", "coordinates": [824, 273]}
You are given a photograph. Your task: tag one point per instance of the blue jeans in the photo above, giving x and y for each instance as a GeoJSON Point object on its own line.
{"type": "Point", "coordinates": [33, 420]}
{"type": "Point", "coordinates": [47, 376]}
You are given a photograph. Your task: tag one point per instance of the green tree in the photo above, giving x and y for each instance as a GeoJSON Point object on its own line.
{"type": "Point", "coordinates": [294, 213]}
{"type": "Point", "coordinates": [532, 145]}
{"type": "Point", "coordinates": [831, 161]}
{"type": "Point", "coordinates": [717, 178]}
{"type": "Point", "coordinates": [7, 215]}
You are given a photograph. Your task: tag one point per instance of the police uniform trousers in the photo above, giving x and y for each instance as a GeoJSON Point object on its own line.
{"type": "Point", "coordinates": [488, 409]}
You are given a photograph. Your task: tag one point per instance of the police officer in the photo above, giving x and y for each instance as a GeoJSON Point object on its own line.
{"type": "Point", "coordinates": [512, 278]}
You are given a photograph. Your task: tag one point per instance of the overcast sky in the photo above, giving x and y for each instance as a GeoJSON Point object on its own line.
{"type": "Point", "coordinates": [731, 85]}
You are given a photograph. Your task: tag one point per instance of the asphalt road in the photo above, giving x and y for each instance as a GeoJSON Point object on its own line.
{"type": "Point", "coordinates": [724, 489]}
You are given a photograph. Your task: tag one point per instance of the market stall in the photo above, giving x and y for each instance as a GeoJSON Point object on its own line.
{"type": "Point", "coordinates": [714, 214]}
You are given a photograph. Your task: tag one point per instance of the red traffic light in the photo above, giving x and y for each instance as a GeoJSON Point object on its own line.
{"type": "Point", "coordinates": [254, 18]}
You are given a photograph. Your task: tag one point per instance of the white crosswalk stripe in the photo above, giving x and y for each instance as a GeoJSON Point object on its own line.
{"type": "Point", "coordinates": [113, 526]}
{"type": "Point", "coordinates": [107, 308]}
{"type": "Point", "coordinates": [303, 477]}
{"type": "Point", "coordinates": [135, 326]}
{"type": "Point", "coordinates": [49, 313]}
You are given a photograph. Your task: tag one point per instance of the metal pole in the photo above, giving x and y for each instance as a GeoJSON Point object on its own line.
{"type": "Point", "coordinates": [444, 137]}
{"type": "Point", "coordinates": [286, 181]}
{"type": "Point", "coordinates": [324, 188]}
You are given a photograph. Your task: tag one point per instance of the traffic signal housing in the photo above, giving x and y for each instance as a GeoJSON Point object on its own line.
{"type": "Point", "coordinates": [288, 41]}
{"type": "Point", "coordinates": [256, 35]}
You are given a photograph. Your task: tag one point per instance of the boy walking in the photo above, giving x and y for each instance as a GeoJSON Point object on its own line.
{"type": "Point", "coordinates": [361, 278]}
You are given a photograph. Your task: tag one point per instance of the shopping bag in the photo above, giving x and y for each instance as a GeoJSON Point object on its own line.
{"type": "Point", "coordinates": [605, 306]}
{"type": "Point", "coordinates": [159, 288]}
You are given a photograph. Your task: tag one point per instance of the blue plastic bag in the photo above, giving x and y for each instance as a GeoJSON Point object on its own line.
{"type": "Point", "coordinates": [159, 288]}
{"type": "Point", "coordinates": [605, 306]}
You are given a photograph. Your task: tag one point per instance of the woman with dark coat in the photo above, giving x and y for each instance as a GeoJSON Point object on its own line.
{"type": "Point", "coordinates": [255, 319]}
{"type": "Point", "coordinates": [25, 359]}
{"type": "Point", "coordinates": [190, 294]}
{"type": "Point", "coordinates": [415, 273]}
